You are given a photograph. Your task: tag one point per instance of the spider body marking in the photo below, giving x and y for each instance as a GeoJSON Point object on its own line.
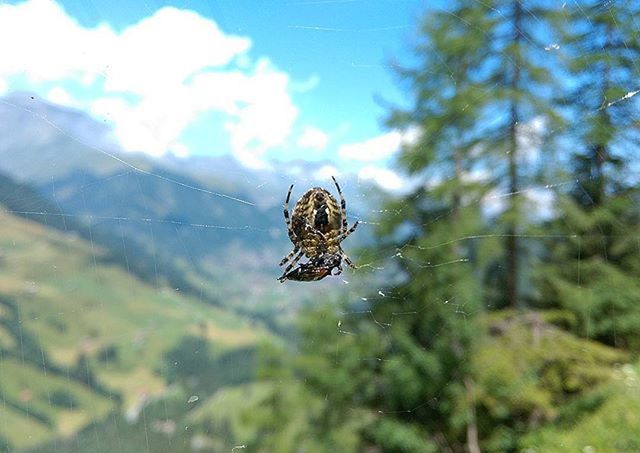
{"type": "Point", "coordinates": [316, 228]}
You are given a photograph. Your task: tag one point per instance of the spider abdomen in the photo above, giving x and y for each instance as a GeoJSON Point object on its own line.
{"type": "Point", "coordinates": [318, 209]}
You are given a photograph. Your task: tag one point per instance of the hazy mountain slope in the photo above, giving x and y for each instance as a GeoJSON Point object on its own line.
{"type": "Point", "coordinates": [164, 223]}
{"type": "Point", "coordinates": [219, 249]}
{"type": "Point", "coordinates": [163, 220]}
{"type": "Point", "coordinates": [78, 337]}
{"type": "Point", "coordinates": [206, 223]}
{"type": "Point", "coordinates": [40, 141]}
{"type": "Point", "coordinates": [24, 201]}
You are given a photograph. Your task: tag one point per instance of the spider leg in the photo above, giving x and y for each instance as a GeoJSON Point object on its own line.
{"type": "Point", "coordinates": [287, 220]}
{"type": "Point", "coordinates": [295, 250]}
{"type": "Point", "coordinates": [347, 260]}
{"type": "Point", "coordinates": [343, 207]}
{"type": "Point", "coordinates": [290, 266]}
{"type": "Point", "coordinates": [344, 235]}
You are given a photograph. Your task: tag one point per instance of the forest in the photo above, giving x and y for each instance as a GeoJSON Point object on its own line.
{"type": "Point", "coordinates": [511, 325]}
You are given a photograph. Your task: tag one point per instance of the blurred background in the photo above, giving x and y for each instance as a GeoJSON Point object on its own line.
{"type": "Point", "coordinates": [490, 150]}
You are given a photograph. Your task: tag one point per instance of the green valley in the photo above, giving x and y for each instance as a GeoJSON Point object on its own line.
{"type": "Point", "coordinates": [80, 339]}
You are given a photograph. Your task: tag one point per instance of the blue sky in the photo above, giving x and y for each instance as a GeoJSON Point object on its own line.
{"type": "Point", "coordinates": [262, 80]}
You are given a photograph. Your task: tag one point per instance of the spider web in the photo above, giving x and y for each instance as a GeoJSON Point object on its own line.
{"type": "Point", "coordinates": [226, 294]}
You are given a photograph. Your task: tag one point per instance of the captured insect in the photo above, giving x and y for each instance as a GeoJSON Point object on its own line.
{"type": "Point", "coordinates": [317, 227]}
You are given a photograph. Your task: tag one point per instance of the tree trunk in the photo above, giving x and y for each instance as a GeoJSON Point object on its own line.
{"type": "Point", "coordinates": [473, 444]}
{"type": "Point", "coordinates": [512, 226]}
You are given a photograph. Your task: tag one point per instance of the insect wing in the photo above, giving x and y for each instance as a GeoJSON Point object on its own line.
{"type": "Point", "coordinates": [307, 273]}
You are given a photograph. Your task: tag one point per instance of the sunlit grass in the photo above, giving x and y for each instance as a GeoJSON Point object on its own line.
{"type": "Point", "coordinates": [135, 386]}
{"type": "Point", "coordinates": [612, 425]}
{"type": "Point", "coordinates": [228, 407]}
{"type": "Point", "coordinates": [20, 430]}
{"type": "Point", "coordinates": [79, 307]}
{"type": "Point", "coordinates": [6, 340]}
{"type": "Point", "coordinates": [32, 390]}
{"type": "Point", "coordinates": [59, 292]}
{"type": "Point", "coordinates": [226, 336]}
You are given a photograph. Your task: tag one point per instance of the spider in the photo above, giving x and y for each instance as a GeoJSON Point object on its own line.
{"type": "Point", "coordinates": [316, 228]}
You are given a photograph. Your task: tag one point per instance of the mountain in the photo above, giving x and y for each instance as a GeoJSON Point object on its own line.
{"type": "Point", "coordinates": [159, 223]}
{"type": "Point", "coordinates": [81, 339]}
{"type": "Point", "coordinates": [205, 225]}
{"type": "Point", "coordinates": [194, 240]}
{"type": "Point", "coordinates": [40, 141]}
{"type": "Point", "coordinates": [22, 200]}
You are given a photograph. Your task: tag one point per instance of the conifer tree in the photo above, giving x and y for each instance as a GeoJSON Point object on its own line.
{"type": "Point", "coordinates": [420, 365]}
{"type": "Point", "coordinates": [594, 270]}
{"type": "Point", "coordinates": [425, 369]}
{"type": "Point", "coordinates": [520, 79]}
{"type": "Point", "coordinates": [403, 356]}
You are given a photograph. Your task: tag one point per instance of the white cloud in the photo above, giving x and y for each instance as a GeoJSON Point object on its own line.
{"type": "Point", "coordinates": [153, 78]}
{"type": "Point", "coordinates": [411, 136]}
{"type": "Point", "coordinates": [543, 201]}
{"type": "Point", "coordinates": [529, 137]}
{"type": "Point", "coordinates": [4, 87]}
{"type": "Point", "coordinates": [494, 203]}
{"type": "Point", "coordinates": [313, 138]}
{"type": "Point", "coordinates": [171, 45]}
{"type": "Point", "coordinates": [375, 148]}
{"type": "Point", "coordinates": [59, 49]}
{"type": "Point", "coordinates": [476, 175]}
{"type": "Point", "coordinates": [380, 147]}
{"type": "Point", "coordinates": [179, 150]}
{"type": "Point", "coordinates": [539, 202]}
{"type": "Point", "coordinates": [60, 96]}
{"type": "Point", "coordinates": [305, 86]}
{"type": "Point", "coordinates": [385, 178]}
{"type": "Point", "coordinates": [326, 172]}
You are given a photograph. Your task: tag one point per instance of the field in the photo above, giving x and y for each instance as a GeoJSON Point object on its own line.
{"type": "Point", "coordinates": [81, 339]}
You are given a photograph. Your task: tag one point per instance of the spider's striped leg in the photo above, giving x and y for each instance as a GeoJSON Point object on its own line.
{"type": "Point", "coordinates": [344, 235]}
{"type": "Point", "coordinates": [295, 250]}
{"type": "Point", "coordinates": [347, 260]}
{"type": "Point", "coordinates": [290, 266]}
{"type": "Point", "coordinates": [287, 220]}
{"type": "Point", "coordinates": [343, 207]}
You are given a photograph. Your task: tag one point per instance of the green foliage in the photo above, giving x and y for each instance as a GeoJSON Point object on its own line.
{"type": "Point", "coordinates": [108, 354]}
{"type": "Point", "coordinates": [606, 419]}
{"type": "Point", "coordinates": [56, 382]}
{"type": "Point", "coordinates": [527, 371]}
{"type": "Point", "coordinates": [188, 359]}
{"type": "Point", "coordinates": [430, 360]}
{"type": "Point", "coordinates": [430, 363]}
{"type": "Point", "coordinates": [63, 398]}
{"type": "Point", "coordinates": [193, 363]}
{"type": "Point", "coordinates": [82, 372]}
{"type": "Point", "coordinates": [376, 386]}
{"type": "Point", "coordinates": [603, 298]}
{"type": "Point", "coordinates": [591, 267]}
{"type": "Point", "coordinates": [290, 418]}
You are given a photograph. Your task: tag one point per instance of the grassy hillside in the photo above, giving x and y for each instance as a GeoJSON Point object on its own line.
{"type": "Point", "coordinates": [610, 424]}
{"type": "Point", "coordinates": [213, 264]}
{"type": "Point", "coordinates": [192, 239]}
{"type": "Point", "coordinates": [80, 339]}
{"type": "Point", "coordinates": [205, 245]}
